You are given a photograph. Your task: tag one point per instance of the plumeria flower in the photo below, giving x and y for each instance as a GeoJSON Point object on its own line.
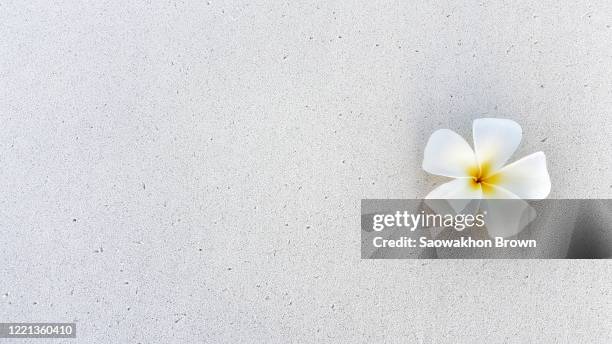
{"type": "Point", "coordinates": [481, 173]}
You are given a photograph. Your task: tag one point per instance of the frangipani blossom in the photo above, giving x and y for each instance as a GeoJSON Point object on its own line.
{"type": "Point", "coordinates": [480, 173]}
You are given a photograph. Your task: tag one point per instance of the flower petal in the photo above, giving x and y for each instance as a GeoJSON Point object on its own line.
{"type": "Point", "coordinates": [458, 192]}
{"type": "Point", "coordinates": [527, 178]}
{"type": "Point", "coordinates": [448, 154]}
{"type": "Point", "coordinates": [506, 217]}
{"type": "Point", "coordinates": [460, 188]}
{"type": "Point", "coordinates": [490, 191]}
{"type": "Point", "coordinates": [495, 140]}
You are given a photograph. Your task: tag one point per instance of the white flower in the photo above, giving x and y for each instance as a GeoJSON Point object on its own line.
{"type": "Point", "coordinates": [480, 173]}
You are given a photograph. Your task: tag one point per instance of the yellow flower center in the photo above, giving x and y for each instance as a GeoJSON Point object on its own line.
{"type": "Point", "coordinates": [484, 177]}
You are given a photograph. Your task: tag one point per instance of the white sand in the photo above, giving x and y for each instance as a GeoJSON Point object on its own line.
{"type": "Point", "coordinates": [181, 171]}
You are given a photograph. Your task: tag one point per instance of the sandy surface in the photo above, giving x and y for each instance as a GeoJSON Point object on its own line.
{"type": "Point", "coordinates": [191, 171]}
